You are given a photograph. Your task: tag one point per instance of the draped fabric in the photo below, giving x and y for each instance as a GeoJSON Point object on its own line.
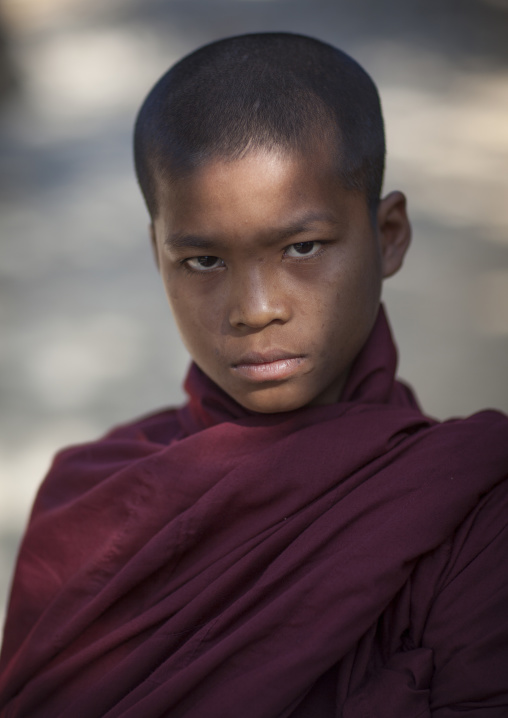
{"type": "Point", "coordinates": [343, 560]}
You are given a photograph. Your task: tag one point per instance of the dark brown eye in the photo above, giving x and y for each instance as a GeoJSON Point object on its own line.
{"type": "Point", "coordinates": [204, 263]}
{"type": "Point", "coordinates": [302, 249]}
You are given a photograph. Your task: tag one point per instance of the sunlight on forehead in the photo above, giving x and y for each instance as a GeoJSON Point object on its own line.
{"type": "Point", "coordinates": [269, 194]}
{"type": "Point", "coordinates": [261, 177]}
{"type": "Point", "coordinates": [261, 166]}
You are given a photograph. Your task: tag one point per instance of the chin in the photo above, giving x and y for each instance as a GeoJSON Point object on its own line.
{"type": "Point", "coordinates": [272, 401]}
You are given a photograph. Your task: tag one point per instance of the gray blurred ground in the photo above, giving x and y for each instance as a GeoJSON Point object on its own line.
{"type": "Point", "coordinates": [86, 338]}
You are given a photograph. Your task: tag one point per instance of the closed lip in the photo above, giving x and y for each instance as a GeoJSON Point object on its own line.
{"type": "Point", "coordinates": [267, 357]}
{"type": "Point", "coordinates": [274, 365]}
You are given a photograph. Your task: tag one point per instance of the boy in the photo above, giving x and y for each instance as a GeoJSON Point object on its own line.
{"type": "Point", "coordinates": [299, 539]}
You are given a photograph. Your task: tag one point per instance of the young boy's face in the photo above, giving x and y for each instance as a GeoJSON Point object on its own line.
{"type": "Point", "coordinates": [273, 272]}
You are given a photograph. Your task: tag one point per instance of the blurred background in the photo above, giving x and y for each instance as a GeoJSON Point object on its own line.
{"type": "Point", "coordinates": [86, 337]}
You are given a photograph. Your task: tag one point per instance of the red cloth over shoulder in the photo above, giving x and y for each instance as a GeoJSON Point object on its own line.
{"type": "Point", "coordinates": [210, 561]}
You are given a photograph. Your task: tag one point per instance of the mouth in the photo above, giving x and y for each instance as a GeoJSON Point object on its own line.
{"type": "Point", "coordinates": [270, 366]}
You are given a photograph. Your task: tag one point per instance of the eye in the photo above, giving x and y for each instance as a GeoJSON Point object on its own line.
{"type": "Point", "coordinates": [303, 249]}
{"type": "Point", "coordinates": [204, 263]}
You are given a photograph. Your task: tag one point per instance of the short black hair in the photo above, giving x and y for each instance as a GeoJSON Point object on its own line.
{"type": "Point", "coordinates": [264, 90]}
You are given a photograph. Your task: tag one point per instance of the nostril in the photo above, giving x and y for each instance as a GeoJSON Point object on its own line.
{"type": "Point", "coordinates": [256, 315]}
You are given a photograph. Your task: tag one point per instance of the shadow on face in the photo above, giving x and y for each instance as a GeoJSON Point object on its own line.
{"type": "Point", "coordinates": [273, 271]}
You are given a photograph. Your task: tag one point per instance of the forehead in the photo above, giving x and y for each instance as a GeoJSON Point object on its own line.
{"type": "Point", "coordinates": [262, 188]}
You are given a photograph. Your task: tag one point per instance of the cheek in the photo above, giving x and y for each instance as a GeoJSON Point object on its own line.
{"type": "Point", "coordinates": [191, 317]}
{"type": "Point", "coordinates": [362, 284]}
{"type": "Point", "coordinates": [347, 304]}
{"type": "Point", "coordinates": [198, 318]}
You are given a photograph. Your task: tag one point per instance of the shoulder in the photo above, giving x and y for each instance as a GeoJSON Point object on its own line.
{"type": "Point", "coordinates": [77, 469]}
{"type": "Point", "coordinates": [157, 428]}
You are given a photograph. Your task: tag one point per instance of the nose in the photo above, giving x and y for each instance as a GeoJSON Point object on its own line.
{"type": "Point", "coordinates": [257, 299]}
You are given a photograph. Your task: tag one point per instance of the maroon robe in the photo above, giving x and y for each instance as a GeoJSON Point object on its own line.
{"type": "Point", "coordinates": [346, 560]}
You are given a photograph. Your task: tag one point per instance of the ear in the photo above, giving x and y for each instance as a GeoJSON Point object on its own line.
{"type": "Point", "coordinates": [394, 232]}
{"type": "Point", "coordinates": [153, 241]}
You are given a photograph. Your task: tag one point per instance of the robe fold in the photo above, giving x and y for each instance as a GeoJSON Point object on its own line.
{"type": "Point", "coordinates": [344, 560]}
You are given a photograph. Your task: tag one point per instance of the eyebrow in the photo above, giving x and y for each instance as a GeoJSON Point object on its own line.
{"type": "Point", "coordinates": [188, 241]}
{"type": "Point", "coordinates": [304, 224]}
{"type": "Point", "coordinates": [179, 240]}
